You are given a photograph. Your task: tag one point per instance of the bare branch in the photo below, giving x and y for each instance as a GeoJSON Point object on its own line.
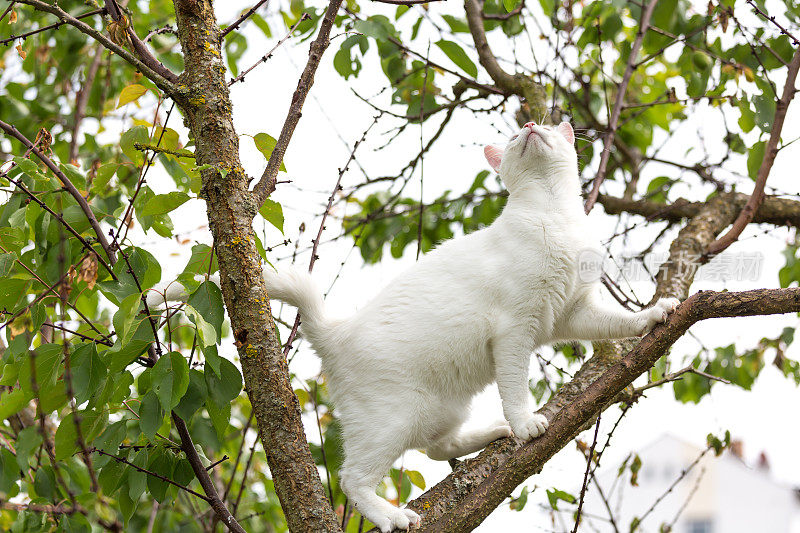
{"type": "Point", "coordinates": [164, 83]}
{"type": "Point", "coordinates": [246, 15]}
{"type": "Point", "coordinates": [519, 84]}
{"type": "Point", "coordinates": [268, 55]}
{"type": "Point", "coordinates": [770, 152]}
{"type": "Point", "coordinates": [53, 26]}
{"type": "Point", "coordinates": [675, 376]}
{"type": "Point", "coordinates": [773, 210]}
{"type": "Point", "coordinates": [139, 48]}
{"type": "Point", "coordinates": [614, 120]}
{"type": "Point", "coordinates": [82, 98]}
{"type": "Point", "coordinates": [266, 184]}
{"type": "Point", "coordinates": [220, 509]}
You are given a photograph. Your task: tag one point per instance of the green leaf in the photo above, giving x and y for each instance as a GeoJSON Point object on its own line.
{"type": "Point", "coordinates": [220, 415]}
{"type": "Point", "coordinates": [26, 165]}
{"type": "Point", "coordinates": [126, 319]}
{"type": "Point", "coordinates": [66, 439]}
{"type": "Point", "coordinates": [6, 262]}
{"type": "Point", "coordinates": [207, 300]}
{"type": "Point", "coordinates": [163, 464]}
{"type": "Point", "coordinates": [510, 5]}
{"type": "Point", "coordinates": [88, 372]}
{"type": "Point", "coordinates": [458, 56]}
{"type": "Point", "coordinates": [205, 331]}
{"type": "Point", "coordinates": [457, 25]}
{"type": "Point", "coordinates": [49, 365]}
{"type": "Point", "coordinates": [12, 402]}
{"type": "Point", "coordinates": [9, 473]}
{"type": "Point", "coordinates": [137, 134]}
{"type": "Point", "coordinates": [755, 156]}
{"type": "Point", "coordinates": [170, 379]}
{"type": "Point", "coordinates": [150, 415]}
{"type": "Point", "coordinates": [27, 442]}
{"type": "Point", "coordinates": [131, 93]}
{"type": "Point", "coordinates": [225, 388]}
{"type": "Point", "coordinates": [265, 143]}
{"type": "Point", "coordinates": [161, 204]}
{"type": "Point", "coordinates": [11, 290]}
{"type": "Point", "coordinates": [372, 27]}
{"type": "Point", "coordinates": [272, 213]}
{"type": "Point", "coordinates": [747, 121]}
{"type": "Point", "coordinates": [555, 495]}
{"type": "Point", "coordinates": [195, 397]}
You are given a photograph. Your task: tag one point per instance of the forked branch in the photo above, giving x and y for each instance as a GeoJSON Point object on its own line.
{"type": "Point", "coordinates": [266, 185]}
{"type": "Point", "coordinates": [770, 152]}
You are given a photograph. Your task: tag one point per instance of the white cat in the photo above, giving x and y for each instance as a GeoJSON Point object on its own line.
{"type": "Point", "coordinates": [403, 369]}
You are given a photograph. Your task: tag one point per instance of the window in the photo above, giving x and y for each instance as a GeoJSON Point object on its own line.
{"type": "Point", "coordinates": [699, 526]}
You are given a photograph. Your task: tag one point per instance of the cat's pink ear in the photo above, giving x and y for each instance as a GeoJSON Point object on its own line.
{"type": "Point", "coordinates": [493, 155]}
{"type": "Point", "coordinates": [566, 130]}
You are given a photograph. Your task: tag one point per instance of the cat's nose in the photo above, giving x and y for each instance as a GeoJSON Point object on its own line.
{"type": "Point", "coordinates": [530, 125]}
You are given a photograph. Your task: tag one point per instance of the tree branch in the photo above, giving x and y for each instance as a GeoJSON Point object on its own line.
{"type": "Point", "coordinates": [82, 98]}
{"type": "Point", "coordinates": [231, 208]}
{"type": "Point", "coordinates": [614, 120]}
{"type": "Point", "coordinates": [773, 210]}
{"type": "Point", "coordinates": [266, 185]}
{"type": "Point", "coordinates": [770, 151]}
{"type": "Point", "coordinates": [165, 84]}
{"type": "Point", "coordinates": [71, 189]}
{"type": "Point", "coordinates": [246, 15]}
{"type": "Point", "coordinates": [531, 457]}
{"type": "Point", "coordinates": [220, 509]}
{"type": "Point", "coordinates": [139, 48]}
{"type": "Point", "coordinates": [521, 85]}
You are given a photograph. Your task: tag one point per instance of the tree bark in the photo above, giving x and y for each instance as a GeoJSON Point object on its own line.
{"type": "Point", "coordinates": [203, 98]}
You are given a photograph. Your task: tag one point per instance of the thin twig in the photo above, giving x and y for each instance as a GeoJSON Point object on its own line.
{"type": "Point", "coordinates": [268, 55]}
{"type": "Point", "coordinates": [151, 473]}
{"type": "Point", "coordinates": [586, 474]}
{"type": "Point", "coordinates": [61, 219]}
{"type": "Point", "coordinates": [266, 184]}
{"type": "Point", "coordinates": [675, 376]}
{"type": "Point", "coordinates": [53, 26]}
{"type": "Point", "coordinates": [620, 98]}
{"type": "Point", "coordinates": [247, 14]}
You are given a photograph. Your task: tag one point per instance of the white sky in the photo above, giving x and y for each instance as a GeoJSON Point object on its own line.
{"type": "Point", "coordinates": [761, 417]}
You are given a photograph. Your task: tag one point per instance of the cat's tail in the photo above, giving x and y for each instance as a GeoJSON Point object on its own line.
{"type": "Point", "coordinates": [296, 287]}
{"type": "Point", "coordinates": [292, 285]}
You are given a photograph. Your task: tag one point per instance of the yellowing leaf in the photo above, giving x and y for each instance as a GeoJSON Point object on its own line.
{"type": "Point", "coordinates": [131, 93]}
{"type": "Point", "coordinates": [416, 478]}
{"type": "Point", "coordinates": [22, 53]}
{"type": "Point", "coordinates": [13, 18]}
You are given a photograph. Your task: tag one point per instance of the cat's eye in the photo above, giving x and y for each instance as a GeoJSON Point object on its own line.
{"type": "Point", "coordinates": [514, 137]}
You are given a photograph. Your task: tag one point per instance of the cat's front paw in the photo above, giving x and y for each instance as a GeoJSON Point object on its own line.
{"type": "Point", "coordinates": [659, 312]}
{"type": "Point", "coordinates": [530, 427]}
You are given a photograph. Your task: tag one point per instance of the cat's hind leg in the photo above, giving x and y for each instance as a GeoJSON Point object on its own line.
{"type": "Point", "coordinates": [366, 462]}
{"type": "Point", "coordinates": [462, 443]}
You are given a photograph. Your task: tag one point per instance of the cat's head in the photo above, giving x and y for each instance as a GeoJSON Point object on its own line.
{"type": "Point", "coordinates": [535, 152]}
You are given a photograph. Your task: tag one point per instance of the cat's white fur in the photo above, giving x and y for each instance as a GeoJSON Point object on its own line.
{"type": "Point", "coordinates": [403, 369]}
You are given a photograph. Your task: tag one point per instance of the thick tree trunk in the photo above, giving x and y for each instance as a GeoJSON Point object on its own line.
{"type": "Point", "coordinates": [205, 102]}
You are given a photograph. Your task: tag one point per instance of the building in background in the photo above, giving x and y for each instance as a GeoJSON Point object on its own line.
{"type": "Point", "coordinates": [717, 495]}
